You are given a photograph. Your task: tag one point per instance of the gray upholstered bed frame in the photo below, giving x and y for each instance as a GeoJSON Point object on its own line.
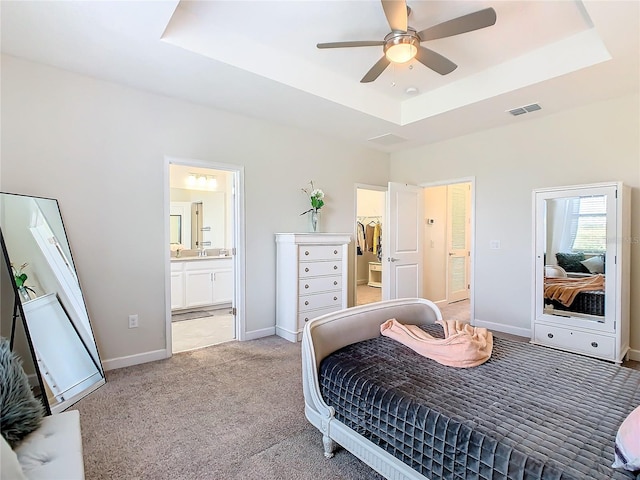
{"type": "Point", "coordinates": [323, 336]}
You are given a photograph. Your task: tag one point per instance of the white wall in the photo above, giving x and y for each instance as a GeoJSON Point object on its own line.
{"type": "Point", "coordinates": [596, 143]}
{"type": "Point", "coordinates": [435, 244]}
{"type": "Point", "coordinates": [100, 149]}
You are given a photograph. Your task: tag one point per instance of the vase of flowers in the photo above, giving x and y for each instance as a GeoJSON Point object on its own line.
{"type": "Point", "coordinates": [316, 197]}
{"type": "Point", "coordinates": [177, 247]}
{"type": "Point", "coordinates": [314, 217]}
{"type": "Point", "coordinates": [20, 278]}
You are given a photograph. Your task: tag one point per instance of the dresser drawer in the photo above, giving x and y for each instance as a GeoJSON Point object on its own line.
{"type": "Point", "coordinates": [313, 269]}
{"type": "Point", "coordinates": [319, 252]}
{"type": "Point", "coordinates": [319, 300]}
{"type": "Point", "coordinates": [319, 284]}
{"type": "Point", "coordinates": [304, 317]}
{"type": "Point", "coordinates": [593, 344]}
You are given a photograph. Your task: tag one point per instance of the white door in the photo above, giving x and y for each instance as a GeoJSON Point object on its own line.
{"type": "Point", "coordinates": [402, 245]}
{"type": "Point", "coordinates": [458, 240]}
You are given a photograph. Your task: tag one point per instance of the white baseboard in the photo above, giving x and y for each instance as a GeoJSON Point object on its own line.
{"type": "Point", "coordinates": [136, 359]}
{"type": "Point", "coordinates": [501, 327]}
{"type": "Point", "coordinates": [634, 355]}
{"type": "Point", "coordinates": [128, 361]}
{"type": "Point", "coordinates": [263, 332]}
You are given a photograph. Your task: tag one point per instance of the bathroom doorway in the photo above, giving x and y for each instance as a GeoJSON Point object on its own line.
{"type": "Point", "coordinates": [448, 248]}
{"type": "Point", "coordinates": [203, 228]}
{"type": "Point", "coordinates": [370, 208]}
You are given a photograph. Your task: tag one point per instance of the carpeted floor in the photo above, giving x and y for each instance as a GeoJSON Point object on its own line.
{"type": "Point", "coordinates": [231, 411]}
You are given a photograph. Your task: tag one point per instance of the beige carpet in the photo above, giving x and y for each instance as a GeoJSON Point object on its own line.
{"type": "Point", "coordinates": [366, 294]}
{"type": "Point", "coordinates": [231, 411]}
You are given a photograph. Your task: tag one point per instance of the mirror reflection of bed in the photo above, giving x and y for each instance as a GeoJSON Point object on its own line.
{"type": "Point", "coordinates": [574, 275]}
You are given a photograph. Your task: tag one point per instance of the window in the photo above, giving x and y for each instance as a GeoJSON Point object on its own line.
{"type": "Point", "coordinates": [589, 224]}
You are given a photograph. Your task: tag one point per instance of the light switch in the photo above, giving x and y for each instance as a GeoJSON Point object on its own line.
{"type": "Point", "coordinates": [494, 244]}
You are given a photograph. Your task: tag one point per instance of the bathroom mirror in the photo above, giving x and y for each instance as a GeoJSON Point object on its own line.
{"type": "Point", "coordinates": [203, 219]}
{"type": "Point", "coordinates": [49, 299]}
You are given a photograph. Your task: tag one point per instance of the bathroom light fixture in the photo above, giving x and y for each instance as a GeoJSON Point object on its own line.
{"type": "Point", "coordinates": [200, 181]}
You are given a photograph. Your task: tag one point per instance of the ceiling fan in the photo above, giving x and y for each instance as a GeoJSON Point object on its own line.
{"type": "Point", "coordinates": [403, 43]}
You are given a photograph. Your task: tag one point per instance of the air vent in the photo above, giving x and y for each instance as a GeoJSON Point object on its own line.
{"type": "Point", "coordinates": [387, 139]}
{"type": "Point", "coordinates": [526, 109]}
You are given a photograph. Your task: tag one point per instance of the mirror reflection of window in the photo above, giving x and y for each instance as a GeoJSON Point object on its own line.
{"type": "Point", "coordinates": [588, 224]}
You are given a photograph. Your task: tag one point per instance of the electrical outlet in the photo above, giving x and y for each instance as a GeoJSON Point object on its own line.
{"type": "Point", "coordinates": [133, 321]}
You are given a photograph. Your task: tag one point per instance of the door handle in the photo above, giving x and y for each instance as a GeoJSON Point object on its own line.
{"type": "Point", "coordinates": [451, 254]}
{"type": "Point", "coordinates": [391, 259]}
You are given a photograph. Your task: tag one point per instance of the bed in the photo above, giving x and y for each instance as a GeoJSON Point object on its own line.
{"type": "Point", "coordinates": [586, 300]}
{"type": "Point", "coordinates": [410, 418]}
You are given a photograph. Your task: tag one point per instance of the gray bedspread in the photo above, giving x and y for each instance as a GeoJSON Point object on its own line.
{"type": "Point", "coordinates": [530, 412]}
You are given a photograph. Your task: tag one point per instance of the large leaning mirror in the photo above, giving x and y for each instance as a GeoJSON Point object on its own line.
{"type": "Point", "coordinates": [49, 299]}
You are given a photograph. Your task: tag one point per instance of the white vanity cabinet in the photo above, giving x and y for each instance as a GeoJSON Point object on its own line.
{"type": "Point", "coordinates": [581, 269]}
{"type": "Point", "coordinates": [311, 279]}
{"type": "Point", "coordinates": [177, 285]}
{"type": "Point", "coordinates": [199, 282]}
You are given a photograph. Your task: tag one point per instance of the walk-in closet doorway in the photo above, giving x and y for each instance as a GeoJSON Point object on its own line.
{"type": "Point", "coordinates": [370, 209]}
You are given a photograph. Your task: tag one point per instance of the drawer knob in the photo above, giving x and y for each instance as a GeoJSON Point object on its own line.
{"type": "Point", "coordinates": [594, 344]}
{"type": "Point", "coordinates": [306, 302]}
{"type": "Point", "coordinates": [335, 298]}
{"type": "Point", "coordinates": [306, 269]}
{"type": "Point", "coordinates": [335, 252]}
{"type": "Point", "coordinates": [335, 282]}
{"type": "Point", "coordinates": [306, 285]}
{"type": "Point", "coordinates": [306, 252]}
{"type": "Point", "coordinates": [335, 267]}
{"type": "Point", "coordinates": [306, 319]}
{"type": "Point", "coordinates": [550, 335]}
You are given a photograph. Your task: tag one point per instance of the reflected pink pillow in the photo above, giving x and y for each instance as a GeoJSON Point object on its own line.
{"type": "Point", "coordinates": [627, 450]}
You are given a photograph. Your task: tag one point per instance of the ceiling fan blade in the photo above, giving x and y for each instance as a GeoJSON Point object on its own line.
{"type": "Point", "coordinates": [466, 23]}
{"type": "Point", "coordinates": [396, 13]}
{"type": "Point", "coordinates": [364, 43]}
{"type": "Point", "coordinates": [435, 61]}
{"type": "Point", "coordinates": [376, 70]}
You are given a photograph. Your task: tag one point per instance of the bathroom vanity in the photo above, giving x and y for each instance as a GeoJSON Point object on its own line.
{"type": "Point", "coordinates": [201, 281]}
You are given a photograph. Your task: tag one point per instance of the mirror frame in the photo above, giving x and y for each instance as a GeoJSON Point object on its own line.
{"type": "Point", "coordinates": [18, 310]}
{"type": "Point", "coordinates": [607, 322]}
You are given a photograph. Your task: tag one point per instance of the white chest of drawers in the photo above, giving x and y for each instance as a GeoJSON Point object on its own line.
{"type": "Point", "coordinates": [311, 279]}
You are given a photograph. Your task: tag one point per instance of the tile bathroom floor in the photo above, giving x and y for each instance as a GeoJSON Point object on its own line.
{"type": "Point", "coordinates": [193, 330]}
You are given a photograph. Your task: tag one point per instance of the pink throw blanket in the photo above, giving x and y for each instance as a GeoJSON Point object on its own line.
{"type": "Point", "coordinates": [463, 346]}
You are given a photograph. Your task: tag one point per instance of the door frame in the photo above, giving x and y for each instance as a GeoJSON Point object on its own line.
{"type": "Point", "coordinates": [356, 187]}
{"type": "Point", "coordinates": [239, 261]}
{"type": "Point", "coordinates": [472, 243]}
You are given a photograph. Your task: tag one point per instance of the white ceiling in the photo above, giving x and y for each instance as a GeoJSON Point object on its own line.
{"type": "Point", "coordinates": [258, 58]}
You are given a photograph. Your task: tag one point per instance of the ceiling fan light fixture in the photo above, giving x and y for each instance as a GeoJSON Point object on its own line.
{"type": "Point", "coordinates": [401, 48]}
